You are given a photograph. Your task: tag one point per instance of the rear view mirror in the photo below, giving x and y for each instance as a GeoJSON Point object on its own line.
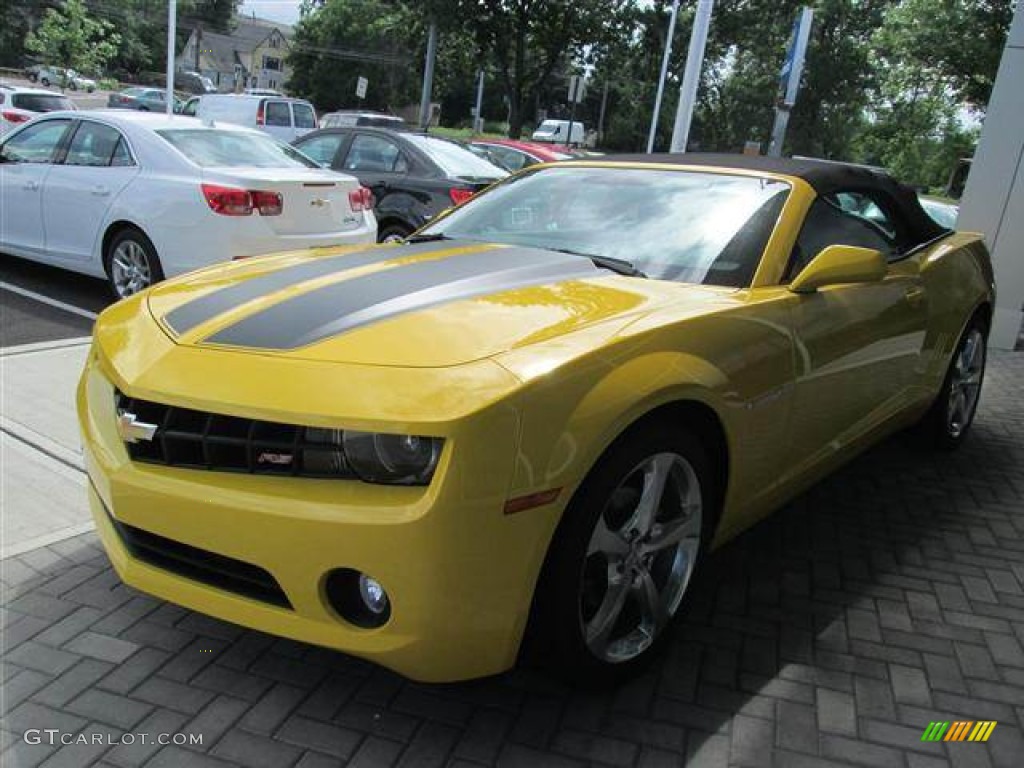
{"type": "Point", "coordinates": [839, 264]}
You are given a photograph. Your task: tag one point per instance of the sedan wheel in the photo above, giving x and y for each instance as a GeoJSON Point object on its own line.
{"type": "Point", "coordinates": [623, 556]}
{"type": "Point", "coordinates": [132, 264]}
{"type": "Point", "coordinates": [640, 558]}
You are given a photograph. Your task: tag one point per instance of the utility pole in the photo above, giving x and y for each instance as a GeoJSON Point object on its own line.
{"type": "Point", "coordinates": [172, 23]}
{"type": "Point", "coordinates": [691, 79]}
{"type": "Point", "coordinates": [600, 119]}
{"type": "Point", "coordinates": [789, 81]}
{"type": "Point", "coordinates": [478, 118]}
{"type": "Point", "coordinates": [428, 76]}
{"type": "Point", "coordinates": [199, 44]}
{"type": "Point", "coordinates": [661, 77]}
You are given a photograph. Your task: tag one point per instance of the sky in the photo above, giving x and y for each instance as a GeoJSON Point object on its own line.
{"type": "Point", "coordinates": [275, 10]}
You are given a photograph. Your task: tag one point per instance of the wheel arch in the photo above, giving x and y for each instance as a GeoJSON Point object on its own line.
{"type": "Point", "coordinates": [113, 229]}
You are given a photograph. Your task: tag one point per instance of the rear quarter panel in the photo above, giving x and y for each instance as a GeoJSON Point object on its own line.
{"type": "Point", "coordinates": [957, 275]}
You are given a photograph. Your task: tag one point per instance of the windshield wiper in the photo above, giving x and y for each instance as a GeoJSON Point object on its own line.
{"type": "Point", "coordinates": [433, 238]}
{"type": "Point", "coordinates": [621, 266]}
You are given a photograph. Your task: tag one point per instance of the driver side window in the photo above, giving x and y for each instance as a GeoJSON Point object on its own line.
{"type": "Point", "coordinates": [36, 144]}
{"type": "Point", "coordinates": [840, 219]}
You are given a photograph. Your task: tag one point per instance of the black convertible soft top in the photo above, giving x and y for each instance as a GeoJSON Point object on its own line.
{"type": "Point", "coordinates": [824, 176]}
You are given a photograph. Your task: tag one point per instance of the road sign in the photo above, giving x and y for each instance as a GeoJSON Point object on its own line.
{"type": "Point", "coordinates": [577, 89]}
{"type": "Point", "coordinates": [361, 85]}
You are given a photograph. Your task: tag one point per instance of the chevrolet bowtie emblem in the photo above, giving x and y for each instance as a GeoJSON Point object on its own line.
{"type": "Point", "coordinates": [132, 430]}
{"type": "Point", "coordinates": [319, 202]}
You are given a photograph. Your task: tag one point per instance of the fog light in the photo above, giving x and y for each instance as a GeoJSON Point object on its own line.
{"type": "Point", "coordinates": [373, 594]}
{"type": "Point", "coordinates": [357, 598]}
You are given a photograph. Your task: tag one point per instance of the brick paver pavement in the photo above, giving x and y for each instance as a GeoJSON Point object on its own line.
{"type": "Point", "coordinates": [889, 596]}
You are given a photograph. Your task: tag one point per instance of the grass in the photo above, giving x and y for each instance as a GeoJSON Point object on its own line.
{"type": "Point", "coordinates": [464, 134]}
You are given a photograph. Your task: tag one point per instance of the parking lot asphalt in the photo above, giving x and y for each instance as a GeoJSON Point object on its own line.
{"type": "Point", "coordinates": [40, 303]}
{"type": "Point", "coordinates": [888, 597]}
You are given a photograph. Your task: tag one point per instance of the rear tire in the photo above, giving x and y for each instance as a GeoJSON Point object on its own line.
{"type": "Point", "coordinates": [950, 417]}
{"type": "Point", "coordinates": [46, 81]}
{"type": "Point", "coordinates": [131, 263]}
{"type": "Point", "coordinates": [623, 557]}
{"type": "Point", "coordinates": [393, 233]}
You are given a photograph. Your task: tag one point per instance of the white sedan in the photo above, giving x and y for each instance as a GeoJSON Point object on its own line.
{"type": "Point", "coordinates": [135, 196]}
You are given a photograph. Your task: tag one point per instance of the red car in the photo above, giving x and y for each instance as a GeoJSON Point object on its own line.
{"type": "Point", "coordinates": [514, 155]}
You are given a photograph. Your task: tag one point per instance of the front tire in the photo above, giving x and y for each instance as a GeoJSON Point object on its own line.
{"type": "Point", "coordinates": [393, 233]}
{"type": "Point", "coordinates": [624, 555]}
{"type": "Point", "coordinates": [949, 420]}
{"type": "Point", "coordinates": [132, 264]}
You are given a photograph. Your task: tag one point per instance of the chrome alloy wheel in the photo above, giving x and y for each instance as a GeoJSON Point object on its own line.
{"type": "Point", "coordinates": [965, 382]}
{"type": "Point", "coordinates": [129, 269]}
{"type": "Point", "coordinates": [640, 557]}
{"type": "Point", "coordinates": [393, 238]}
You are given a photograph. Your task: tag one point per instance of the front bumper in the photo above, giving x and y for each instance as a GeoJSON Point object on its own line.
{"type": "Point", "coordinates": [458, 571]}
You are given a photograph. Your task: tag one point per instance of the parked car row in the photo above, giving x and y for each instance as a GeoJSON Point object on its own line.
{"type": "Point", "coordinates": [59, 76]}
{"type": "Point", "coordinates": [162, 195]}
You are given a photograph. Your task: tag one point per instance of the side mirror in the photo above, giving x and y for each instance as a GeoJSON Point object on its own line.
{"type": "Point", "coordinates": [839, 264]}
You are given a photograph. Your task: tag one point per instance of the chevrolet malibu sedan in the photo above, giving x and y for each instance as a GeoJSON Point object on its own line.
{"type": "Point", "coordinates": [533, 419]}
{"type": "Point", "coordinates": [135, 197]}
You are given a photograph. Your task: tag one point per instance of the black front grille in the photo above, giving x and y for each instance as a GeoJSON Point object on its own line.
{"type": "Point", "coordinates": [197, 564]}
{"type": "Point", "coordinates": [196, 439]}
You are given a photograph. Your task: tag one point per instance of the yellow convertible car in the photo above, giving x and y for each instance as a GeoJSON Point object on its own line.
{"type": "Point", "coordinates": [532, 419]}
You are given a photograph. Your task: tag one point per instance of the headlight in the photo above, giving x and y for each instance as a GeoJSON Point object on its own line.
{"type": "Point", "coordinates": [373, 457]}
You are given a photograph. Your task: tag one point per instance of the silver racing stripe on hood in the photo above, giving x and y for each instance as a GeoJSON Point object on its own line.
{"type": "Point", "coordinates": [339, 307]}
{"type": "Point", "coordinates": [183, 319]}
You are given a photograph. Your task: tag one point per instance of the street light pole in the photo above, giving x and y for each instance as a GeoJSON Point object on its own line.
{"type": "Point", "coordinates": [691, 79]}
{"type": "Point", "coordinates": [478, 118]}
{"type": "Point", "coordinates": [172, 23]}
{"type": "Point", "coordinates": [661, 78]}
{"type": "Point", "coordinates": [428, 76]}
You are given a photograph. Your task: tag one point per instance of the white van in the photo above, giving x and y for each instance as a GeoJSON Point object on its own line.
{"type": "Point", "coordinates": [282, 117]}
{"type": "Point", "coordinates": [557, 132]}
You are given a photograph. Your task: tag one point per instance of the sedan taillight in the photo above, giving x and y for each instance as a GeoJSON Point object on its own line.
{"type": "Point", "coordinates": [232, 201]}
{"type": "Point", "coordinates": [15, 117]}
{"type": "Point", "coordinates": [267, 203]}
{"type": "Point", "coordinates": [361, 199]}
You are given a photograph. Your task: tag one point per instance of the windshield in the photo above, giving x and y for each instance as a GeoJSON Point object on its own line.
{"type": "Point", "coordinates": [673, 225]}
{"type": "Point", "coordinates": [41, 102]}
{"type": "Point", "coordinates": [234, 149]}
{"type": "Point", "coordinates": [454, 159]}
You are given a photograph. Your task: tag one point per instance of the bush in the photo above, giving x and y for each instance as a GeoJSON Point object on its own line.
{"type": "Point", "coordinates": [108, 84]}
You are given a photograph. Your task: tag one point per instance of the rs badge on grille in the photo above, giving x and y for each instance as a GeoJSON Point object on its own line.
{"type": "Point", "coordinates": [132, 430]}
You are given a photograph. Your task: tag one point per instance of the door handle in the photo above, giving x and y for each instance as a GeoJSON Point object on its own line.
{"type": "Point", "coordinates": [914, 295]}
{"type": "Point", "coordinates": [100, 191]}
{"type": "Point", "coordinates": [31, 186]}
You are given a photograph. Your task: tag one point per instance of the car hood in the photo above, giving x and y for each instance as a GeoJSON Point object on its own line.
{"type": "Point", "coordinates": [422, 305]}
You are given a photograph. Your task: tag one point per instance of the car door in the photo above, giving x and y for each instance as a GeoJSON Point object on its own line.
{"type": "Point", "coordinates": [378, 163]}
{"type": "Point", "coordinates": [303, 118]}
{"type": "Point", "coordinates": [858, 346]}
{"type": "Point", "coordinates": [79, 191]}
{"type": "Point", "coordinates": [277, 120]}
{"type": "Point", "coordinates": [27, 158]}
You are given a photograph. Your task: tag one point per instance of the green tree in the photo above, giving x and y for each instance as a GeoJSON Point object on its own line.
{"type": "Point", "coordinates": [69, 37]}
{"type": "Point", "coordinates": [338, 41]}
{"type": "Point", "coordinates": [527, 41]}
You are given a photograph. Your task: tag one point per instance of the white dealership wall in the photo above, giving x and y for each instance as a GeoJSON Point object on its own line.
{"type": "Point", "coordinates": [993, 201]}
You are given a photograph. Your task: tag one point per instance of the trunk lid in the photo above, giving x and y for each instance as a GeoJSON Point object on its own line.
{"type": "Point", "coordinates": [314, 201]}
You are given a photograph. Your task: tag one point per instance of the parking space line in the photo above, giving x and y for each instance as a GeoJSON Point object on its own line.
{"type": "Point", "coordinates": [43, 346]}
{"type": "Point", "coordinates": [47, 300]}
